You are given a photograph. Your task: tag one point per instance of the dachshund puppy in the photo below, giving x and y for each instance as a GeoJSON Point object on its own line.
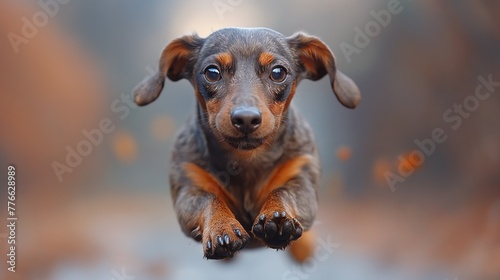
{"type": "Point", "coordinates": [245, 167]}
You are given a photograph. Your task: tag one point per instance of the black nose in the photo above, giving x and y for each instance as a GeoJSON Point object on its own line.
{"type": "Point", "coordinates": [246, 119]}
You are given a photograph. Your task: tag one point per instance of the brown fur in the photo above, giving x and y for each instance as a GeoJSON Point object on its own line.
{"type": "Point", "coordinates": [266, 59]}
{"type": "Point", "coordinates": [225, 59]}
{"type": "Point", "coordinates": [280, 175]}
{"type": "Point", "coordinates": [207, 182]}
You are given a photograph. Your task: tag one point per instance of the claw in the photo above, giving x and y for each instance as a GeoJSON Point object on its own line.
{"type": "Point", "coordinates": [219, 240]}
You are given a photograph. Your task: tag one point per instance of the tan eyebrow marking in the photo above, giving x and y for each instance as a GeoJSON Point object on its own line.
{"type": "Point", "coordinates": [266, 58]}
{"type": "Point", "coordinates": [225, 59]}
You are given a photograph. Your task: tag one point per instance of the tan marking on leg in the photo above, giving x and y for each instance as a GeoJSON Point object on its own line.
{"type": "Point", "coordinates": [282, 174]}
{"type": "Point", "coordinates": [207, 182]}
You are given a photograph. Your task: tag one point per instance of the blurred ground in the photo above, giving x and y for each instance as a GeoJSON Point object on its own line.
{"type": "Point", "coordinates": [111, 213]}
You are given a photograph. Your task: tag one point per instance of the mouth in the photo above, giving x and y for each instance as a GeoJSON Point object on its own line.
{"type": "Point", "coordinates": [245, 142]}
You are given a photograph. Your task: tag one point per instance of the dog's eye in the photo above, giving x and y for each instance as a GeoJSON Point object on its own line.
{"type": "Point", "coordinates": [278, 74]}
{"type": "Point", "coordinates": [212, 74]}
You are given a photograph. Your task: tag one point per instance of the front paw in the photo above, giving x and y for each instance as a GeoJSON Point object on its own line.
{"type": "Point", "coordinates": [222, 239]}
{"type": "Point", "coordinates": [277, 228]}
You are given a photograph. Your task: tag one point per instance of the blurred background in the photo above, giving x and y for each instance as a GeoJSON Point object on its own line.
{"type": "Point", "coordinates": [67, 69]}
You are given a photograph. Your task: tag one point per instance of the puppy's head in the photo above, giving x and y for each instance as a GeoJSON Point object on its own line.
{"type": "Point", "coordinates": [244, 79]}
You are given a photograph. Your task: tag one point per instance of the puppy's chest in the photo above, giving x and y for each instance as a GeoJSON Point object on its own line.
{"type": "Point", "coordinates": [244, 186]}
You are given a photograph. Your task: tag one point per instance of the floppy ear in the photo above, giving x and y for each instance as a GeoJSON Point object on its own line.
{"type": "Point", "coordinates": [176, 62]}
{"type": "Point", "coordinates": [316, 60]}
